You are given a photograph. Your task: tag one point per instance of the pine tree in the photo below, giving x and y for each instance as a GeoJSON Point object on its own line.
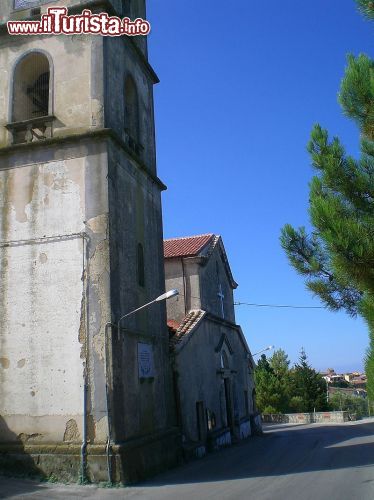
{"type": "Point", "coordinates": [279, 363]}
{"type": "Point", "coordinates": [263, 364]}
{"type": "Point", "coordinates": [307, 386]}
{"type": "Point", "coordinates": [337, 259]}
{"type": "Point", "coordinates": [366, 7]}
{"type": "Point", "coordinates": [269, 392]}
{"type": "Point", "coordinates": [272, 383]}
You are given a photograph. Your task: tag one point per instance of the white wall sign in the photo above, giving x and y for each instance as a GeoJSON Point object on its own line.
{"type": "Point", "coordinates": [145, 360]}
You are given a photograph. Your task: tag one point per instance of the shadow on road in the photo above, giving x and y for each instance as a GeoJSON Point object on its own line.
{"type": "Point", "coordinates": [11, 487]}
{"type": "Point", "coordinates": [15, 461]}
{"type": "Point", "coordinates": [280, 452]}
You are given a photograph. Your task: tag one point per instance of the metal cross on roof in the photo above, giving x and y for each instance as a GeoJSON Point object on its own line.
{"type": "Point", "coordinates": [221, 296]}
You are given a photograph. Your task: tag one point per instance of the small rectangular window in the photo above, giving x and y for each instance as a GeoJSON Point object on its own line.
{"type": "Point", "coordinates": [140, 265]}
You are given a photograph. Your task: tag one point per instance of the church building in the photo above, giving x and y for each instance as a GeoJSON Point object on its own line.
{"type": "Point", "coordinates": [213, 365]}
{"type": "Point", "coordinates": [81, 246]}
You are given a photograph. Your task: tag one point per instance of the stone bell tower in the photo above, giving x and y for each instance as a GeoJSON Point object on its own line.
{"type": "Point", "coordinates": [80, 246]}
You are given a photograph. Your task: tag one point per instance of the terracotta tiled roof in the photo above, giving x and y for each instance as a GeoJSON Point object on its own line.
{"type": "Point", "coordinates": [187, 326]}
{"type": "Point", "coordinates": [192, 246]}
{"type": "Point", "coordinates": [189, 246]}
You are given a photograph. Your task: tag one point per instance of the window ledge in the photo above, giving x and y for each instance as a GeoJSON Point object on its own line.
{"type": "Point", "coordinates": [32, 121]}
{"type": "Point", "coordinates": [34, 129]}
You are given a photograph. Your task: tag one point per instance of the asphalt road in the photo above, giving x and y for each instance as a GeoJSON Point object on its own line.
{"type": "Point", "coordinates": [301, 462]}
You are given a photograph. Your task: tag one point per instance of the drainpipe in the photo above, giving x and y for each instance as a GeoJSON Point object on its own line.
{"type": "Point", "coordinates": [84, 439]}
{"type": "Point", "coordinates": [85, 371]}
{"type": "Point", "coordinates": [108, 460]}
{"type": "Point", "coordinates": [108, 325]}
{"type": "Point", "coordinates": [108, 408]}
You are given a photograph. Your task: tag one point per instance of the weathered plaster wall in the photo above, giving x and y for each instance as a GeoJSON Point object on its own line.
{"type": "Point", "coordinates": [200, 377]}
{"type": "Point", "coordinates": [198, 285]}
{"type": "Point", "coordinates": [43, 207]}
{"type": "Point", "coordinates": [62, 185]}
{"type": "Point", "coordinates": [135, 217]}
{"type": "Point", "coordinates": [176, 309]}
{"type": "Point", "coordinates": [183, 276]}
{"type": "Point", "coordinates": [123, 60]}
{"type": "Point", "coordinates": [210, 287]}
{"type": "Point", "coordinates": [197, 365]}
{"type": "Point", "coordinates": [76, 79]}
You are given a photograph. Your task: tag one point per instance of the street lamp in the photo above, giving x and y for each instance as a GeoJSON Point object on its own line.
{"type": "Point", "coordinates": [164, 296]}
{"type": "Point", "coordinates": [263, 350]}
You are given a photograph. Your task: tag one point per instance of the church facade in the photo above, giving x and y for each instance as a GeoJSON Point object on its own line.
{"type": "Point", "coordinates": [213, 365]}
{"type": "Point", "coordinates": [80, 246]}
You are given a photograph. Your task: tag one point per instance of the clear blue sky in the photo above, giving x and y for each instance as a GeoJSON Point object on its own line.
{"type": "Point", "coordinates": [242, 84]}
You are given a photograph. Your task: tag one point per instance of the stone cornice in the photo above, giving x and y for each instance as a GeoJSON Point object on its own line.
{"type": "Point", "coordinates": [104, 133]}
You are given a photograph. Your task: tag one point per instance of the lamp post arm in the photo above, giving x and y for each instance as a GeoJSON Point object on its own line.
{"type": "Point", "coordinates": [259, 352]}
{"type": "Point", "coordinates": [263, 350]}
{"type": "Point", "coordinates": [134, 311]}
{"type": "Point", "coordinates": [164, 296]}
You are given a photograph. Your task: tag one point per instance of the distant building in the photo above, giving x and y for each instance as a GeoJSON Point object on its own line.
{"type": "Point", "coordinates": [359, 382]}
{"type": "Point", "coordinates": [355, 379]}
{"type": "Point", "coordinates": [213, 366]}
{"type": "Point", "coordinates": [328, 374]}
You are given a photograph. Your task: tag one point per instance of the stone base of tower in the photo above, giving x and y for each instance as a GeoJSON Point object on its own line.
{"type": "Point", "coordinates": [136, 460]}
{"type": "Point", "coordinates": [125, 463]}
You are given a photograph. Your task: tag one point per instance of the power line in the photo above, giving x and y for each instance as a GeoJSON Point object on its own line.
{"type": "Point", "coordinates": [277, 305]}
{"type": "Point", "coordinates": [282, 306]}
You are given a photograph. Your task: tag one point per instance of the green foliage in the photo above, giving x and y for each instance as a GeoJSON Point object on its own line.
{"type": "Point", "coordinates": [340, 383]}
{"type": "Point", "coordinates": [344, 402]}
{"type": "Point", "coordinates": [357, 93]}
{"type": "Point", "coordinates": [83, 480]}
{"type": "Point", "coordinates": [263, 364]}
{"type": "Point", "coordinates": [308, 255]}
{"type": "Point", "coordinates": [110, 485]}
{"type": "Point", "coordinates": [297, 404]}
{"type": "Point", "coordinates": [337, 259]}
{"type": "Point", "coordinates": [279, 363]}
{"type": "Point", "coordinates": [283, 390]}
{"type": "Point", "coordinates": [52, 479]}
{"type": "Point", "coordinates": [268, 387]}
{"type": "Point", "coordinates": [268, 391]}
{"type": "Point", "coordinates": [366, 7]}
{"type": "Point", "coordinates": [308, 386]}
{"type": "Point", "coordinates": [269, 410]}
